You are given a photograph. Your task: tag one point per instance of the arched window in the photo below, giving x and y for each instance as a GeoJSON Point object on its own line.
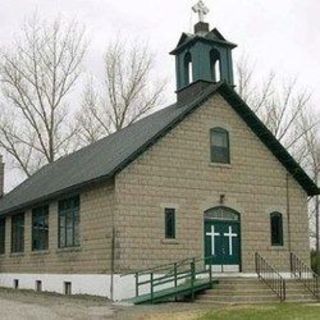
{"type": "Point", "coordinates": [215, 65]}
{"type": "Point", "coordinates": [188, 73]}
{"type": "Point", "coordinates": [220, 145]}
{"type": "Point", "coordinates": [276, 229]}
{"type": "Point", "coordinates": [221, 213]}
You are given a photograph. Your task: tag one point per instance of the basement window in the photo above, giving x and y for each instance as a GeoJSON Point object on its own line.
{"type": "Point", "coordinates": [16, 284]}
{"type": "Point", "coordinates": [39, 286]}
{"type": "Point", "coordinates": [67, 288]}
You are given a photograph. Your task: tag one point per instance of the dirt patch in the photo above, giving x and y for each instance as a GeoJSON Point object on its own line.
{"type": "Point", "coordinates": [25, 305]}
{"type": "Point", "coordinates": [29, 305]}
{"type": "Point", "coordinates": [172, 311]}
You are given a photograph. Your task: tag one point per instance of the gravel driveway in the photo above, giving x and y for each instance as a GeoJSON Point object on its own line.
{"type": "Point", "coordinates": [28, 305]}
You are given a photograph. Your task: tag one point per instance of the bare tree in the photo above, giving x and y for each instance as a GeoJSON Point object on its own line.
{"type": "Point", "coordinates": [37, 74]}
{"type": "Point", "coordinates": [288, 113]}
{"type": "Point", "coordinates": [312, 164]}
{"type": "Point", "coordinates": [280, 105]}
{"type": "Point", "coordinates": [126, 94]}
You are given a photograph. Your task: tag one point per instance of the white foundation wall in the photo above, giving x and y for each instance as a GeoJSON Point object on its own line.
{"type": "Point", "coordinates": [98, 285]}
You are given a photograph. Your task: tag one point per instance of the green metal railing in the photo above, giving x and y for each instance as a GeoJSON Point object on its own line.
{"type": "Point", "coordinates": [305, 274]}
{"type": "Point", "coordinates": [186, 273]}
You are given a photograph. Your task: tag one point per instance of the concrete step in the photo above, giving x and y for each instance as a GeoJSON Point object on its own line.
{"type": "Point", "coordinates": [237, 299]}
{"type": "Point", "coordinates": [253, 291]}
{"type": "Point", "coordinates": [299, 296]}
{"type": "Point", "coordinates": [242, 288]}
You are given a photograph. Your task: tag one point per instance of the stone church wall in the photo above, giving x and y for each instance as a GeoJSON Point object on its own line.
{"type": "Point", "coordinates": [177, 173]}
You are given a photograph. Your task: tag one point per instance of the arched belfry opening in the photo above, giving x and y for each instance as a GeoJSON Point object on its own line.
{"type": "Point", "coordinates": [215, 65]}
{"type": "Point", "coordinates": [188, 70]}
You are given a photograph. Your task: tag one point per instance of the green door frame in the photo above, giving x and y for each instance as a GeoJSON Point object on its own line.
{"type": "Point", "coordinates": [224, 220]}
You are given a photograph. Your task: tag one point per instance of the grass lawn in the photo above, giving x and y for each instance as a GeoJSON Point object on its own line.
{"type": "Point", "coordinates": [272, 312]}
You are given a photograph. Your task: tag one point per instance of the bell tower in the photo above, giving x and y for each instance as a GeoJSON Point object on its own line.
{"type": "Point", "coordinates": [203, 57]}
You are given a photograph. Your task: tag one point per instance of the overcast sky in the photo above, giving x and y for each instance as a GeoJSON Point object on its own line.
{"type": "Point", "coordinates": [279, 35]}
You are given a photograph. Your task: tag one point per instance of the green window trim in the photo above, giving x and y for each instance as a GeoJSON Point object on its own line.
{"type": "Point", "coordinates": [69, 223]}
{"type": "Point", "coordinates": [17, 233]}
{"type": "Point", "coordinates": [219, 146]}
{"type": "Point", "coordinates": [170, 223]}
{"type": "Point", "coordinates": [276, 226]}
{"type": "Point", "coordinates": [2, 235]}
{"type": "Point", "coordinates": [40, 228]}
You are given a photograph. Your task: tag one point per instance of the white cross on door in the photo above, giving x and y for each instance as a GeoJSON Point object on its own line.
{"type": "Point", "coordinates": [230, 235]}
{"type": "Point", "coordinates": [213, 234]}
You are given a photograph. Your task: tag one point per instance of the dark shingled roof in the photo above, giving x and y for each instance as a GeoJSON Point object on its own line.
{"type": "Point", "coordinates": [103, 159]}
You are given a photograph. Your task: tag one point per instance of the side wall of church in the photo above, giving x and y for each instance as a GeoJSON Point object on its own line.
{"type": "Point", "coordinates": [177, 173]}
{"type": "Point", "coordinates": [93, 256]}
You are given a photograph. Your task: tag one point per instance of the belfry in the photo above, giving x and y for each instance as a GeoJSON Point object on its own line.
{"type": "Point", "coordinates": [205, 56]}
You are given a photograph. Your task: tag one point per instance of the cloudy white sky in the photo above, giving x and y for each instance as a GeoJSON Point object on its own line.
{"type": "Point", "coordinates": [279, 35]}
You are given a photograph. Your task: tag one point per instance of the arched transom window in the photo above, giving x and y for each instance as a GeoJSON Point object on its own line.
{"type": "Point", "coordinates": [221, 213]}
{"type": "Point", "coordinates": [220, 145]}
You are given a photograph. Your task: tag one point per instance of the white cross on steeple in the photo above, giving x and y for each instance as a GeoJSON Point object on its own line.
{"type": "Point", "coordinates": [230, 235]}
{"type": "Point", "coordinates": [201, 9]}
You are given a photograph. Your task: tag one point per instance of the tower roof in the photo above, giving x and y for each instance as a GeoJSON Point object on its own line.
{"type": "Point", "coordinates": [214, 36]}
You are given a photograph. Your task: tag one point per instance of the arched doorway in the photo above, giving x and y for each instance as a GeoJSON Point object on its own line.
{"type": "Point", "coordinates": [222, 239]}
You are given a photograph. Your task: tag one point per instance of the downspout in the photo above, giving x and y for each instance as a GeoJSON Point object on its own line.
{"type": "Point", "coordinates": [113, 241]}
{"type": "Point", "coordinates": [112, 264]}
{"type": "Point", "coordinates": [288, 213]}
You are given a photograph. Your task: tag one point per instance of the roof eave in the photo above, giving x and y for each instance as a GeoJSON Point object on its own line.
{"type": "Point", "coordinates": [58, 194]}
{"type": "Point", "coordinates": [268, 138]}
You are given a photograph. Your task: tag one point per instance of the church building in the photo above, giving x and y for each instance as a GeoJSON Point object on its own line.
{"type": "Point", "coordinates": [203, 177]}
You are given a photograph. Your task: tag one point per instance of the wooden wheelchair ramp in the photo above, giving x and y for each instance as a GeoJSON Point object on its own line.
{"type": "Point", "coordinates": [183, 279]}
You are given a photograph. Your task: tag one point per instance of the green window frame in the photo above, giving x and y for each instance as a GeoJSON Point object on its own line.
{"type": "Point", "coordinates": [219, 146]}
{"type": "Point", "coordinates": [40, 228]}
{"type": "Point", "coordinates": [170, 223]}
{"type": "Point", "coordinates": [2, 235]}
{"type": "Point", "coordinates": [17, 233]}
{"type": "Point", "coordinates": [276, 224]}
{"type": "Point", "coordinates": [69, 222]}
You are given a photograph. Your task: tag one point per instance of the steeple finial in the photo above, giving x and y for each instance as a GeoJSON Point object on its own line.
{"type": "Point", "coordinates": [201, 9]}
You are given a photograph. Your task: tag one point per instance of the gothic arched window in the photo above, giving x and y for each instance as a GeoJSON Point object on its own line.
{"type": "Point", "coordinates": [276, 229]}
{"type": "Point", "coordinates": [220, 146]}
{"type": "Point", "coordinates": [188, 73]}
